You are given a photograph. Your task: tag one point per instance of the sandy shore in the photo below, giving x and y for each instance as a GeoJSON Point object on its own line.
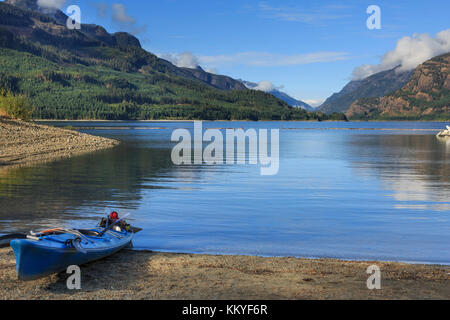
{"type": "Point", "coordinates": [23, 143]}
{"type": "Point", "coordinates": [151, 275]}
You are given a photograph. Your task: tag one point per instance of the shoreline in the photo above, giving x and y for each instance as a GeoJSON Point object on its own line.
{"type": "Point", "coordinates": [26, 143]}
{"type": "Point", "coordinates": [232, 121]}
{"type": "Point", "coordinates": [373, 260]}
{"type": "Point", "coordinates": [224, 128]}
{"type": "Point", "coordinates": [147, 275]}
{"type": "Point", "coordinates": [178, 120]}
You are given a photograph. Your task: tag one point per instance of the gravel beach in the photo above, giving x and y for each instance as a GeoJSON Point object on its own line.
{"type": "Point", "coordinates": [24, 143]}
{"type": "Point", "coordinates": [161, 276]}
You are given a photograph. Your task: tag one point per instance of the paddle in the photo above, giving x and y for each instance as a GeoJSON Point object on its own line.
{"type": "Point", "coordinates": [5, 240]}
{"type": "Point", "coordinates": [77, 245]}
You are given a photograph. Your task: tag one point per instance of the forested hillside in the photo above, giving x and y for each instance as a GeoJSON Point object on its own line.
{"type": "Point", "coordinates": [91, 74]}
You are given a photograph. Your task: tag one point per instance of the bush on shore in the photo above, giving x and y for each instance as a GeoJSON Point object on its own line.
{"type": "Point", "coordinates": [15, 106]}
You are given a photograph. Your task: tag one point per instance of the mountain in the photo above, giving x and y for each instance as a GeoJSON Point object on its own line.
{"type": "Point", "coordinates": [282, 96]}
{"type": "Point", "coordinates": [426, 96]}
{"type": "Point", "coordinates": [291, 101]}
{"type": "Point", "coordinates": [376, 85]}
{"type": "Point", "coordinates": [92, 74]}
{"type": "Point", "coordinates": [124, 40]}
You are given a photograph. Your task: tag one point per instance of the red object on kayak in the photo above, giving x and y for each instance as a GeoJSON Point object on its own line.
{"type": "Point", "coordinates": [114, 216]}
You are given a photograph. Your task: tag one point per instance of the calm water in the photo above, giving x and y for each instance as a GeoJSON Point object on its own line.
{"type": "Point", "coordinates": [355, 194]}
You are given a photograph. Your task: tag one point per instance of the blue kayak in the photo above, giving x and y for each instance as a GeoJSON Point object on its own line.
{"type": "Point", "coordinates": [39, 256]}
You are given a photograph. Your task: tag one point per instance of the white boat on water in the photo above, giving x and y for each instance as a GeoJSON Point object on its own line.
{"type": "Point", "coordinates": [444, 133]}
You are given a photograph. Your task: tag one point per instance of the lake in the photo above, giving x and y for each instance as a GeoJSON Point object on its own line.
{"type": "Point", "coordinates": [356, 190]}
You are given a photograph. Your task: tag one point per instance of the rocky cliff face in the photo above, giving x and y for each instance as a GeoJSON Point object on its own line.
{"type": "Point", "coordinates": [377, 85]}
{"type": "Point", "coordinates": [425, 96]}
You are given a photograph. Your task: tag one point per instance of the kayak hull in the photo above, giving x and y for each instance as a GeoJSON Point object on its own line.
{"type": "Point", "coordinates": [37, 259]}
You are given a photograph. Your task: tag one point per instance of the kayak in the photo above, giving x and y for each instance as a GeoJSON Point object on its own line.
{"type": "Point", "coordinates": [52, 252]}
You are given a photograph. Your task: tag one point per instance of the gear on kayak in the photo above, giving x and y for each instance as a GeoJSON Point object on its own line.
{"type": "Point", "coordinates": [113, 218]}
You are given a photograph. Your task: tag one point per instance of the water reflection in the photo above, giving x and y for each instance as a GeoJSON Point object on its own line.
{"type": "Point", "coordinates": [378, 194]}
{"type": "Point", "coordinates": [49, 194]}
{"type": "Point", "coordinates": [416, 168]}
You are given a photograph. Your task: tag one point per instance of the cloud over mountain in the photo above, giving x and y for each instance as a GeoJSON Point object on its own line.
{"type": "Point", "coordinates": [119, 17]}
{"type": "Point", "coordinates": [120, 14]}
{"type": "Point", "coordinates": [260, 59]}
{"type": "Point", "coordinates": [314, 102]}
{"type": "Point", "coordinates": [408, 53]}
{"type": "Point", "coordinates": [182, 60]}
{"type": "Point", "coordinates": [265, 86]}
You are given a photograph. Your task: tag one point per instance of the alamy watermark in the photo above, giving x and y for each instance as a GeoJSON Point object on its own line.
{"type": "Point", "coordinates": [374, 280]}
{"type": "Point", "coordinates": [374, 20]}
{"type": "Point", "coordinates": [74, 17]}
{"type": "Point", "coordinates": [74, 280]}
{"type": "Point", "coordinates": [190, 149]}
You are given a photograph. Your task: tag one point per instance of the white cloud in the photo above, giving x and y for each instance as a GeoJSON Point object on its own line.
{"type": "Point", "coordinates": [182, 60]}
{"type": "Point", "coordinates": [314, 102]}
{"type": "Point", "coordinates": [302, 14]}
{"type": "Point", "coordinates": [258, 59]}
{"type": "Point", "coordinates": [408, 53]}
{"type": "Point", "coordinates": [51, 4]}
{"type": "Point", "coordinates": [120, 14]}
{"type": "Point", "coordinates": [265, 86]}
{"type": "Point", "coordinates": [102, 9]}
{"type": "Point", "coordinates": [211, 70]}
{"type": "Point", "coordinates": [187, 60]}
{"type": "Point", "coordinates": [121, 18]}
{"type": "Point", "coordinates": [265, 59]}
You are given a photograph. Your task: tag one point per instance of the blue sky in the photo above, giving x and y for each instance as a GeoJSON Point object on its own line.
{"type": "Point", "coordinates": [309, 48]}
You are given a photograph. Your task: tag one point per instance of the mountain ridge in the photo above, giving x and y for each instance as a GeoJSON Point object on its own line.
{"type": "Point", "coordinates": [425, 96]}
{"type": "Point", "coordinates": [376, 85]}
{"type": "Point", "coordinates": [69, 74]}
{"type": "Point", "coordinates": [124, 40]}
